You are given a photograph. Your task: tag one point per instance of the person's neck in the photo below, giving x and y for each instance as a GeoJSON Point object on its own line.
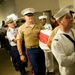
{"type": "Point", "coordinates": [29, 23]}
{"type": "Point", "coordinates": [12, 27]}
{"type": "Point", "coordinates": [65, 29]}
{"type": "Point", "coordinates": [43, 24]}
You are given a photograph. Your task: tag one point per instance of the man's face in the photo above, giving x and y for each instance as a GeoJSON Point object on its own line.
{"type": "Point", "coordinates": [43, 21]}
{"type": "Point", "coordinates": [12, 25]}
{"type": "Point", "coordinates": [67, 21]}
{"type": "Point", "coordinates": [28, 18]}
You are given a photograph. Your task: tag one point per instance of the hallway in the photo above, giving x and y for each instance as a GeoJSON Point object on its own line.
{"type": "Point", "coordinates": [6, 67]}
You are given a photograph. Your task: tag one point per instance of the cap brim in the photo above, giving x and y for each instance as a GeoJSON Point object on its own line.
{"type": "Point", "coordinates": [72, 12]}
{"type": "Point", "coordinates": [29, 14]}
{"type": "Point", "coordinates": [9, 22]}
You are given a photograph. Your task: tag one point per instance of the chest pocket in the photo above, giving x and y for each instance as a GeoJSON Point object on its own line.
{"type": "Point", "coordinates": [31, 31]}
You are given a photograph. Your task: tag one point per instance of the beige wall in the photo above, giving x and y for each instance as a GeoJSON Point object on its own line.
{"type": "Point", "coordinates": [1, 16]}
{"type": "Point", "coordinates": [38, 5]}
{"type": "Point", "coordinates": [65, 2]}
{"type": "Point", "coordinates": [16, 6]}
{"type": "Point", "coordinates": [7, 7]}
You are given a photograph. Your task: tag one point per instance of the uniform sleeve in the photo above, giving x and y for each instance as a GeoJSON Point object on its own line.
{"type": "Point", "coordinates": [10, 36]}
{"type": "Point", "coordinates": [50, 27]}
{"type": "Point", "coordinates": [41, 26]}
{"type": "Point", "coordinates": [63, 59]}
{"type": "Point", "coordinates": [20, 34]}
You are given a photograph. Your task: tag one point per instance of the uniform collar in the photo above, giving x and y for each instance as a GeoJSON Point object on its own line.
{"type": "Point", "coordinates": [61, 32]}
{"type": "Point", "coordinates": [11, 28]}
{"type": "Point", "coordinates": [26, 25]}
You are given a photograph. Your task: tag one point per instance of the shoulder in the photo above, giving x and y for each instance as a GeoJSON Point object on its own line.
{"type": "Point", "coordinates": [54, 32]}
{"type": "Point", "coordinates": [56, 41]}
{"type": "Point", "coordinates": [56, 29]}
{"type": "Point", "coordinates": [21, 27]}
{"type": "Point", "coordinates": [57, 36]}
{"type": "Point", "coordinates": [48, 24]}
{"type": "Point", "coordinates": [40, 26]}
{"type": "Point", "coordinates": [73, 30]}
{"type": "Point", "coordinates": [9, 33]}
{"type": "Point", "coordinates": [9, 30]}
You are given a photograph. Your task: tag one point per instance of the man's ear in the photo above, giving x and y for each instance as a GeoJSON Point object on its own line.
{"type": "Point", "coordinates": [58, 21]}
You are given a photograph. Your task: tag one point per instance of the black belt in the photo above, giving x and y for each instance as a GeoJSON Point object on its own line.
{"type": "Point", "coordinates": [13, 46]}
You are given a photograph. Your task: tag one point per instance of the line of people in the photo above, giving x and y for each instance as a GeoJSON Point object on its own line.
{"type": "Point", "coordinates": [41, 61]}
{"type": "Point", "coordinates": [34, 52]}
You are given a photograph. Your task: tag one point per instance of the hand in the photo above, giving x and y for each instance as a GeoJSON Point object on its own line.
{"type": "Point", "coordinates": [23, 58]}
